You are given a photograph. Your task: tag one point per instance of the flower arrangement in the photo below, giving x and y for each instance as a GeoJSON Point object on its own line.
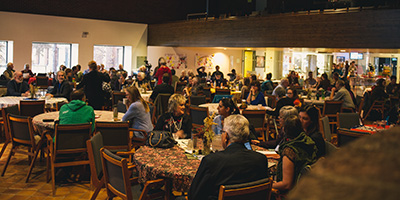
{"type": "Point", "coordinates": [144, 87]}
{"type": "Point", "coordinates": [33, 90]}
{"type": "Point", "coordinates": [208, 133]}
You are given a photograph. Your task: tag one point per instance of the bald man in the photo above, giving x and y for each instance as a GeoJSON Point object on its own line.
{"type": "Point", "coordinates": [17, 86]}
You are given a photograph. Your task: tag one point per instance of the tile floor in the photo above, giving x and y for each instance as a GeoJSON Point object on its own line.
{"type": "Point", "coordinates": [13, 186]}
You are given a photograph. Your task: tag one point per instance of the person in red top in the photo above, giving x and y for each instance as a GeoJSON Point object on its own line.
{"type": "Point", "coordinates": [161, 71]}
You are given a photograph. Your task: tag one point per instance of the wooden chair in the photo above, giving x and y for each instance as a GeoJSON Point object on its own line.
{"type": "Point", "coordinates": [121, 184]}
{"type": "Point", "coordinates": [161, 103]}
{"type": "Point", "coordinates": [12, 110]}
{"type": "Point", "coordinates": [197, 100]}
{"type": "Point", "coordinates": [271, 101]}
{"type": "Point", "coordinates": [115, 135]}
{"type": "Point", "coordinates": [325, 128]}
{"type": "Point", "coordinates": [378, 106]}
{"type": "Point", "coordinates": [330, 109]}
{"type": "Point", "coordinates": [42, 82]}
{"type": "Point", "coordinates": [117, 96]}
{"type": "Point", "coordinates": [22, 134]}
{"type": "Point", "coordinates": [31, 108]}
{"type": "Point", "coordinates": [257, 119]}
{"type": "Point", "coordinates": [137, 141]}
{"type": "Point", "coordinates": [198, 115]}
{"type": "Point", "coordinates": [69, 140]}
{"type": "Point", "coordinates": [219, 91]}
{"type": "Point", "coordinates": [348, 120]}
{"type": "Point", "coordinates": [59, 104]}
{"type": "Point", "coordinates": [207, 93]}
{"type": "Point", "coordinates": [179, 87]}
{"type": "Point", "coordinates": [260, 189]}
{"type": "Point", "coordinates": [152, 113]}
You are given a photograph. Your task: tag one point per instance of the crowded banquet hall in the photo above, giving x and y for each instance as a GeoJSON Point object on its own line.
{"type": "Point", "coordinates": [199, 100]}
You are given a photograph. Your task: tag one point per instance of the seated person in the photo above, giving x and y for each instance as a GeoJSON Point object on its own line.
{"type": "Point", "coordinates": [393, 88]}
{"type": "Point", "coordinates": [309, 117]}
{"type": "Point", "coordinates": [234, 165]}
{"type": "Point", "coordinates": [141, 81]}
{"type": "Point", "coordinates": [9, 73]}
{"type": "Point", "coordinates": [226, 107]}
{"type": "Point", "coordinates": [76, 111]}
{"type": "Point", "coordinates": [183, 77]}
{"type": "Point", "coordinates": [163, 88]}
{"type": "Point", "coordinates": [378, 92]}
{"type": "Point", "coordinates": [324, 82]}
{"type": "Point", "coordinates": [27, 71]}
{"type": "Point", "coordinates": [340, 93]}
{"type": "Point", "coordinates": [138, 111]}
{"type": "Point", "coordinates": [310, 81]}
{"type": "Point", "coordinates": [282, 100]}
{"type": "Point", "coordinates": [194, 89]}
{"type": "Point", "coordinates": [284, 112]}
{"type": "Point", "coordinates": [62, 88]}
{"type": "Point", "coordinates": [176, 120]}
{"type": "Point", "coordinates": [245, 89]}
{"type": "Point", "coordinates": [267, 85]}
{"type": "Point", "coordinates": [218, 81]}
{"type": "Point", "coordinates": [17, 86]}
{"type": "Point", "coordinates": [292, 94]}
{"type": "Point", "coordinates": [121, 83]}
{"type": "Point", "coordinates": [255, 96]}
{"type": "Point", "coordinates": [282, 86]}
{"type": "Point", "coordinates": [297, 151]}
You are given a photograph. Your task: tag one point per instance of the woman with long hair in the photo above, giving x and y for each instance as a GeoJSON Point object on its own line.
{"type": "Point", "coordinates": [138, 111]}
{"type": "Point", "coordinates": [309, 117]}
{"type": "Point", "coordinates": [225, 108]}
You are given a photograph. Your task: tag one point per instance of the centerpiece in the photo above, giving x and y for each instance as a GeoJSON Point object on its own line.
{"type": "Point", "coordinates": [144, 87]}
{"type": "Point", "coordinates": [32, 89]}
{"type": "Point", "coordinates": [208, 134]}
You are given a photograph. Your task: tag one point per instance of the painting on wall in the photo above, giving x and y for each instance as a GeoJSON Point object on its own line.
{"type": "Point", "coordinates": [176, 61]}
{"type": "Point", "coordinates": [204, 60]}
{"type": "Point", "coordinates": [340, 59]}
{"type": "Point", "coordinates": [260, 61]}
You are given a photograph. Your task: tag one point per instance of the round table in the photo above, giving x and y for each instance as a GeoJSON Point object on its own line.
{"type": "Point", "coordinates": [213, 107]}
{"type": "Point", "coordinates": [171, 163]}
{"type": "Point", "coordinates": [11, 100]}
{"type": "Point", "coordinates": [101, 116]}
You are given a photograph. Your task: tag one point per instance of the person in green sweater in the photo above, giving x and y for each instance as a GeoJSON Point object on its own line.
{"type": "Point", "coordinates": [76, 111]}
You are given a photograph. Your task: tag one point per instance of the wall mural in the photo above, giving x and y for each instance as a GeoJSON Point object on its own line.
{"type": "Point", "coordinates": [176, 61]}
{"type": "Point", "coordinates": [204, 60]}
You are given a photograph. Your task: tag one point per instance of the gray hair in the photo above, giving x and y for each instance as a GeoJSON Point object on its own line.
{"type": "Point", "coordinates": [286, 111]}
{"type": "Point", "coordinates": [280, 92]}
{"type": "Point", "coordinates": [62, 72]}
{"type": "Point", "coordinates": [283, 80]}
{"type": "Point", "coordinates": [174, 101]}
{"type": "Point", "coordinates": [237, 127]}
{"type": "Point", "coordinates": [141, 74]}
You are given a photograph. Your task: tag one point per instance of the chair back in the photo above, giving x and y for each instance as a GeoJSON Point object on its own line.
{"type": "Point", "coordinates": [121, 107]}
{"type": "Point", "coordinates": [12, 110]}
{"type": "Point", "coordinates": [207, 92]}
{"type": "Point", "coordinates": [179, 87]}
{"type": "Point", "coordinates": [326, 129]}
{"type": "Point", "coordinates": [329, 148]}
{"type": "Point", "coordinates": [198, 115]}
{"type": "Point", "coordinates": [260, 189]}
{"type": "Point", "coordinates": [257, 119]}
{"type": "Point", "coordinates": [197, 100]}
{"type": "Point", "coordinates": [331, 108]}
{"type": "Point", "coordinates": [21, 129]}
{"type": "Point", "coordinates": [219, 91]}
{"type": "Point", "coordinates": [116, 175]}
{"type": "Point", "coordinates": [218, 97]}
{"type": "Point", "coordinates": [152, 112]}
{"type": "Point", "coordinates": [31, 108]}
{"type": "Point", "coordinates": [161, 103]}
{"type": "Point", "coordinates": [347, 120]}
{"type": "Point", "coordinates": [117, 96]}
{"type": "Point", "coordinates": [42, 81]}
{"type": "Point", "coordinates": [71, 138]}
{"type": "Point", "coordinates": [115, 134]}
{"type": "Point", "coordinates": [271, 101]}
{"type": "Point", "coordinates": [93, 147]}
{"type": "Point", "coordinates": [60, 104]}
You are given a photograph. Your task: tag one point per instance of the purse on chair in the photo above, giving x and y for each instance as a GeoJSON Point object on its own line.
{"type": "Point", "coordinates": [161, 139]}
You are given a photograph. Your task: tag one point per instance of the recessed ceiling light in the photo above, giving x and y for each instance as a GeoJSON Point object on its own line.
{"type": "Point", "coordinates": [224, 48]}
{"type": "Point", "coordinates": [342, 50]}
{"type": "Point", "coordinates": [248, 49]}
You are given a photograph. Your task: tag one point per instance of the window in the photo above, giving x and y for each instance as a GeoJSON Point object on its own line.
{"type": "Point", "coordinates": [47, 57]}
{"type": "Point", "coordinates": [113, 56]}
{"type": "Point", "coordinates": [6, 54]}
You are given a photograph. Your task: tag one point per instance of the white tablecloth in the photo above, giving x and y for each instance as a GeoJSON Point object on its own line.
{"type": "Point", "coordinates": [213, 107]}
{"type": "Point", "coordinates": [146, 96]}
{"type": "Point", "coordinates": [10, 101]}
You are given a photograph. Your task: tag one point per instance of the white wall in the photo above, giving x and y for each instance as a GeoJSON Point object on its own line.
{"type": "Point", "coordinates": [24, 29]}
{"type": "Point", "coordinates": [226, 59]}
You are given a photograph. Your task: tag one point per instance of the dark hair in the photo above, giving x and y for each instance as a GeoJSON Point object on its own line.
{"type": "Point", "coordinates": [336, 74]}
{"type": "Point", "coordinates": [256, 84]}
{"type": "Point", "coordinates": [253, 77]}
{"type": "Point", "coordinates": [165, 78]}
{"type": "Point", "coordinates": [292, 126]}
{"type": "Point", "coordinates": [233, 71]}
{"type": "Point", "coordinates": [78, 66]}
{"type": "Point", "coordinates": [173, 72]}
{"type": "Point", "coordinates": [380, 82]}
{"type": "Point", "coordinates": [393, 77]}
{"type": "Point", "coordinates": [228, 103]}
{"type": "Point", "coordinates": [246, 81]}
{"type": "Point", "coordinates": [295, 95]}
{"type": "Point", "coordinates": [325, 76]}
{"type": "Point", "coordinates": [74, 68]}
{"type": "Point", "coordinates": [340, 82]}
{"type": "Point", "coordinates": [92, 65]}
{"type": "Point", "coordinates": [77, 95]}
{"type": "Point", "coordinates": [313, 113]}
{"type": "Point", "coordinates": [269, 76]}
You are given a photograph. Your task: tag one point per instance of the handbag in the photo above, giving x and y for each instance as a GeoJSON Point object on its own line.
{"type": "Point", "coordinates": [161, 139]}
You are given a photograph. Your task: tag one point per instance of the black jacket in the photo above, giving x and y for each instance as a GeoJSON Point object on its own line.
{"type": "Point", "coordinates": [234, 165]}
{"type": "Point", "coordinates": [92, 82]}
{"type": "Point", "coordinates": [16, 89]}
{"type": "Point", "coordinates": [62, 90]}
{"type": "Point", "coordinates": [162, 88]}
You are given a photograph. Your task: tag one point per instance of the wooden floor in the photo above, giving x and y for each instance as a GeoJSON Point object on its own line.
{"type": "Point", "coordinates": [13, 186]}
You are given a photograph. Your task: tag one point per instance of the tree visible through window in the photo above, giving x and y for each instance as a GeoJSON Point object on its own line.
{"type": "Point", "coordinates": [110, 56]}
{"type": "Point", "coordinates": [6, 54]}
{"type": "Point", "coordinates": [47, 57]}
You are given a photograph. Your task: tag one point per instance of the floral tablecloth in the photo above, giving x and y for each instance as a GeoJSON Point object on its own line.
{"type": "Point", "coordinates": [213, 107]}
{"type": "Point", "coordinates": [172, 163]}
{"type": "Point", "coordinates": [10, 101]}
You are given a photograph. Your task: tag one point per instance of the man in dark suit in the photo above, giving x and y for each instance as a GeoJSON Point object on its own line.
{"type": "Point", "coordinates": [163, 88]}
{"type": "Point", "coordinates": [17, 86]}
{"type": "Point", "coordinates": [62, 88]}
{"type": "Point", "coordinates": [92, 83]}
{"type": "Point", "coordinates": [234, 165]}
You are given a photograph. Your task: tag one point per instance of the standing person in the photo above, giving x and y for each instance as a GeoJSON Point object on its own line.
{"type": "Point", "coordinates": [9, 72]}
{"type": "Point", "coordinates": [255, 96]}
{"type": "Point", "coordinates": [345, 71]}
{"type": "Point", "coordinates": [201, 72]}
{"type": "Point", "coordinates": [161, 71]}
{"type": "Point", "coordinates": [267, 85]}
{"type": "Point", "coordinates": [92, 83]}
{"type": "Point", "coordinates": [175, 78]}
{"type": "Point", "coordinates": [28, 71]}
{"type": "Point", "coordinates": [138, 111]}
{"type": "Point", "coordinates": [62, 88]}
{"type": "Point", "coordinates": [76, 111]}
{"type": "Point", "coordinates": [17, 86]}
{"type": "Point", "coordinates": [216, 72]}
{"type": "Point", "coordinates": [309, 117]}
{"type": "Point", "coordinates": [161, 60]}
{"type": "Point", "coordinates": [121, 69]}
{"type": "Point", "coordinates": [148, 66]}
{"type": "Point", "coordinates": [234, 165]}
